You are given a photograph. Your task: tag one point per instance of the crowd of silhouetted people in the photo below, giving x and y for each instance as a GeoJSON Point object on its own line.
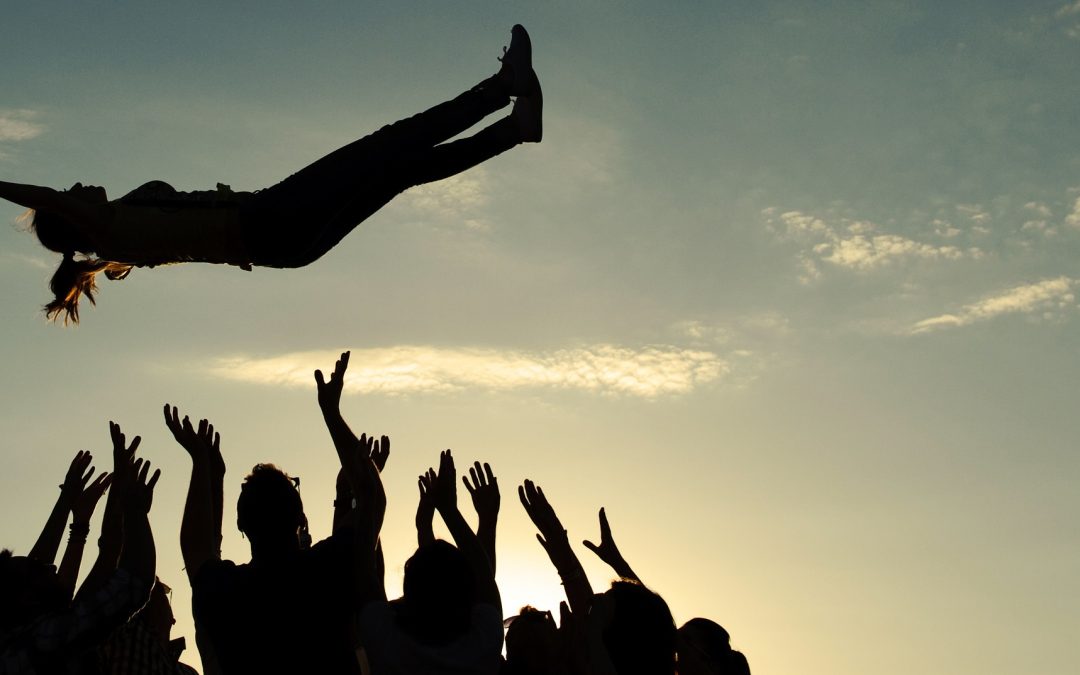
{"type": "Point", "coordinates": [303, 607]}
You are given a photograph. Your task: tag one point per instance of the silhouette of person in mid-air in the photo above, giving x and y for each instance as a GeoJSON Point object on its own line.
{"type": "Point", "coordinates": [292, 223]}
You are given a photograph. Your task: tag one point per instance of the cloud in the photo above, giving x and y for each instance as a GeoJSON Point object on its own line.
{"type": "Point", "coordinates": [1073, 219]}
{"type": "Point", "coordinates": [1069, 13]}
{"type": "Point", "coordinates": [1068, 10]}
{"type": "Point", "coordinates": [27, 260]}
{"type": "Point", "coordinates": [453, 198]}
{"type": "Point", "coordinates": [1047, 296]}
{"type": "Point", "coordinates": [854, 244]}
{"type": "Point", "coordinates": [603, 369]}
{"type": "Point", "coordinates": [975, 212]}
{"type": "Point", "coordinates": [19, 125]}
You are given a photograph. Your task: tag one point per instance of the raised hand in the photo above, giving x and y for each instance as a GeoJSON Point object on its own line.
{"type": "Point", "coordinates": [122, 453]}
{"type": "Point", "coordinates": [83, 507]}
{"type": "Point", "coordinates": [78, 475]}
{"type": "Point", "coordinates": [445, 484]}
{"type": "Point", "coordinates": [139, 492]}
{"type": "Point", "coordinates": [203, 443]}
{"type": "Point", "coordinates": [609, 552]}
{"type": "Point", "coordinates": [425, 510]}
{"type": "Point", "coordinates": [553, 538]}
{"type": "Point", "coordinates": [330, 392]}
{"type": "Point", "coordinates": [543, 516]}
{"type": "Point", "coordinates": [484, 490]}
{"type": "Point", "coordinates": [380, 452]}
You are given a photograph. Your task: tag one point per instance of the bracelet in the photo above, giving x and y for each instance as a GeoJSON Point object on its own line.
{"type": "Point", "coordinates": [79, 532]}
{"type": "Point", "coordinates": [341, 503]}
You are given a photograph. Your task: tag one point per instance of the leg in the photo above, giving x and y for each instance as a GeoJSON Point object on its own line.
{"type": "Point", "coordinates": [449, 159]}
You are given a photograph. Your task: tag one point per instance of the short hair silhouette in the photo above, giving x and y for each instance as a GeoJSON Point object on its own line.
{"type": "Point", "coordinates": [706, 642]}
{"type": "Point", "coordinates": [269, 503]}
{"type": "Point", "coordinates": [532, 641]}
{"type": "Point", "coordinates": [641, 635]}
{"type": "Point", "coordinates": [438, 594]}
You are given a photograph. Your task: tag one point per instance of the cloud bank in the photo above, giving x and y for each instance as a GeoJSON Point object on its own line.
{"type": "Point", "coordinates": [1047, 296]}
{"type": "Point", "coordinates": [603, 369]}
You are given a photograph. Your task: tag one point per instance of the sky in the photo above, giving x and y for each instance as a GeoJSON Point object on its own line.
{"type": "Point", "coordinates": [789, 288]}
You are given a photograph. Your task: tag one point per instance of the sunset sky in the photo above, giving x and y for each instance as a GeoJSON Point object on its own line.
{"type": "Point", "coordinates": [789, 288]}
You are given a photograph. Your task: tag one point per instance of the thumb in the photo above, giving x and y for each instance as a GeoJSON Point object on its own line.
{"type": "Point", "coordinates": [591, 546]}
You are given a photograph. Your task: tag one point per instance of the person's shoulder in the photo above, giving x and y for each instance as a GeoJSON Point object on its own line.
{"type": "Point", "coordinates": [214, 571]}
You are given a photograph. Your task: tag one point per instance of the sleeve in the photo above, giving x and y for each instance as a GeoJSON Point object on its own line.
{"type": "Point", "coordinates": [90, 620]}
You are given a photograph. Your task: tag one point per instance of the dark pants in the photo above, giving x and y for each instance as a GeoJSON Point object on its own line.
{"type": "Point", "coordinates": [296, 221]}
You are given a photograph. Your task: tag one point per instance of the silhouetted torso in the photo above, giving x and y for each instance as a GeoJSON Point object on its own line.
{"type": "Point", "coordinates": [391, 651]}
{"type": "Point", "coordinates": [288, 616]}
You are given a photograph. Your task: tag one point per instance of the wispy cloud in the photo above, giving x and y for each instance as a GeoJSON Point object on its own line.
{"type": "Point", "coordinates": [855, 244]}
{"type": "Point", "coordinates": [1073, 219]}
{"type": "Point", "coordinates": [19, 125]}
{"type": "Point", "coordinates": [1047, 297]}
{"type": "Point", "coordinates": [603, 369]}
{"type": "Point", "coordinates": [1070, 13]}
{"type": "Point", "coordinates": [460, 199]}
{"type": "Point", "coordinates": [27, 260]}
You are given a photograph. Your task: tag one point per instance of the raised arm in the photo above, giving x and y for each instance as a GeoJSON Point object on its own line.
{"type": "Point", "coordinates": [111, 541]}
{"type": "Point", "coordinates": [553, 538]}
{"type": "Point", "coordinates": [425, 509]}
{"type": "Point", "coordinates": [31, 196]}
{"type": "Point", "coordinates": [445, 487]}
{"type": "Point", "coordinates": [199, 537]}
{"type": "Point", "coordinates": [48, 542]}
{"type": "Point", "coordinates": [608, 551]}
{"type": "Point", "coordinates": [362, 476]}
{"type": "Point", "coordinates": [54, 201]}
{"type": "Point", "coordinates": [344, 501]}
{"type": "Point", "coordinates": [484, 490]}
{"type": "Point", "coordinates": [139, 557]}
{"type": "Point", "coordinates": [81, 512]}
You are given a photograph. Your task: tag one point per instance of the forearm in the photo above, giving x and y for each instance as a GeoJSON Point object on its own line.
{"type": "Point", "coordinates": [48, 542]}
{"type": "Point", "coordinates": [140, 556]}
{"type": "Point", "coordinates": [30, 196]}
{"type": "Point", "coordinates": [470, 547]}
{"type": "Point", "coordinates": [110, 544]}
{"type": "Point", "coordinates": [343, 507]}
{"type": "Point", "coordinates": [68, 572]}
{"type": "Point", "coordinates": [425, 531]}
{"type": "Point", "coordinates": [622, 568]}
{"type": "Point", "coordinates": [485, 532]}
{"type": "Point", "coordinates": [217, 496]}
{"type": "Point", "coordinates": [197, 537]}
{"type": "Point", "coordinates": [578, 589]}
{"type": "Point", "coordinates": [345, 443]}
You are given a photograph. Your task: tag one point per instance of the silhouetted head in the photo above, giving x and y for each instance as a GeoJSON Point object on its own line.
{"type": "Point", "coordinates": [29, 589]}
{"type": "Point", "coordinates": [438, 592]}
{"type": "Point", "coordinates": [532, 642]}
{"type": "Point", "coordinates": [73, 278]}
{"type": "Point", "coordinates": [640, 637]}
{"type": "Point", "coordinates": [269, 508]}
{"type": "Point", "coordinates": [157, 614]}
{"type": "Point", "coordinates": [705, 649]}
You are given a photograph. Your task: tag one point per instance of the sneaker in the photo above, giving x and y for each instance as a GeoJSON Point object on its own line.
{"type": "Point", "coordinates": [518, 60]}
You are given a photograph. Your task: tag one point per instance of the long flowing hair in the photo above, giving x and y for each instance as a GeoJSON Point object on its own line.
{"type": "Point", "coordinates": [74, 277]}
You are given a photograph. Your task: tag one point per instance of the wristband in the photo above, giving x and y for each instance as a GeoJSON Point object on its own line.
{"type": "Point", "coordinates": [79, 532]}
